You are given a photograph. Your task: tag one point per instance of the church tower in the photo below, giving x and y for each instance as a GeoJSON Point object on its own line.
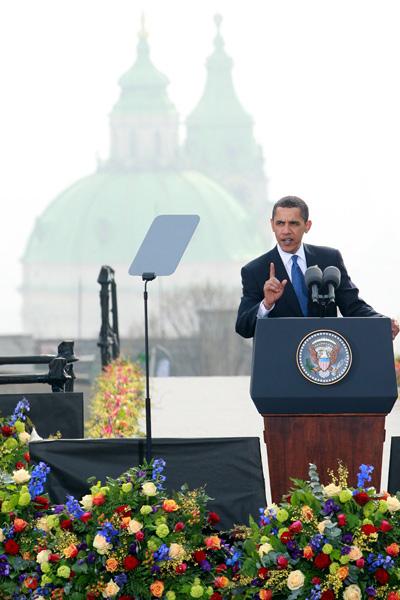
{"type": "Point", "coordinates": [220, 140]}
{"type": "Point", "coordinates": [144, 122]}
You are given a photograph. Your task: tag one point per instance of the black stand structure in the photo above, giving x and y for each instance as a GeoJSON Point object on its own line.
{"type": "Point", "coordinates": [160, 254]}
{"type": "Point", "coordinates": [109, 332]}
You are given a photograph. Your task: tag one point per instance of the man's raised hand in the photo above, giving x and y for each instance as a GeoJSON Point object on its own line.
{"type": "Point", "coordinates": [273, 288]}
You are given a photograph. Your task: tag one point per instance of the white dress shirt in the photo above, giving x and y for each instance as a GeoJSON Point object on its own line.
{"type": "Point", "coordinates": [287, 262]}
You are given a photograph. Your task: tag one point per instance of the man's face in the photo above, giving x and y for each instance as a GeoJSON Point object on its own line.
{"type": "Point", "coordinates": [289, 227]}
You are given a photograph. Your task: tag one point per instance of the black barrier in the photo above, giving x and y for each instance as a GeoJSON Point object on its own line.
{"type": "Point", "coordinates": [50, 412]}
{"type": "Point", "coordinates": [231, 468]}
{"type": "Point", "coordinates": [394, 466]}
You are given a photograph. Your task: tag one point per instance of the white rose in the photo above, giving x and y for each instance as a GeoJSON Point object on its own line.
{"type": "Point", "coordinates": [134, 526]}
{"type": "Point", "coordinates": [321, 526]}
{"type": "Point", "coordinates": [21, 476]}
{"type": "Point", "coordinates": [43, 556]}
{"type": "Point", "coordinates": [101, 544]}
{"type": "Point", "coordinates": [352, 592]}
{"type": "Point", "coordinates": [87, 502]}
{"type": "Point", "coordinates": [264, 549]}
{"type": "Point", "coordinates": [176, 551]}
{"type": "Point", "coordinates": [111, 589]}
{"type": "Point", "coordinates": [295, 580]}
{"type": "Point", "coordinates": [332, 490]}
{"type": "Point", "coordinates": [355, 553]}
{"type": "Point", "coordinates": [24, 437]}
{"type": "Point", "coordinates": [149, 489]}
{"type": "Point", "coordinates": [43, 524]}
{"type": "Point", "coordinates": [393, 503]}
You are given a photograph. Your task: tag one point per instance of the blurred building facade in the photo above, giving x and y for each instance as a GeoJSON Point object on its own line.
{"type": "Point", "coordinates": [216, 173]}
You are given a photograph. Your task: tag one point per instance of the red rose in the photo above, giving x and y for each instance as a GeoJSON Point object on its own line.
{"type": "Point", "coordinates": [179, 526]}
{"type": "Point", "coordinates": [220, 568]}
{"type": "Point", "coordinates": [328, 595]}
{"type": "Point", "coordinates": [91, 596]}
{"type": "Point", "coordinates": [181, 568]}
{"type": "Point", "coordinates": [322, 561]}
{"type": "Point", "coordinates": [360, 562]}
{"type": "Point", "coordinates": [342, 520]}
{"type": "Point", "coordinates": [385, 526]}
{"type": "Point", "coordinates": [213, 518]}
{"type": "Point", "coordinates": [285, 537]}
{"type": "Point", "coordinates": [54, 557]}
{"type": "Point", "coordinates": [6, 430]}
{"type": "Point", "coordinates": [139, 535]}
{"type": "Point", "coordinates": [216, 596]}
{"type": "Point", "coordinates": [41, 502]}
{"type": "Point", "coordinates": [31, 583]}
{"type": "Point", "coordinates": [11, 547]}
{"type": "Point", "coordinates": [131, 562]}
{"type": "Point", "coordinates": [282, 562]}
{"type": "Point", "coordinates": [98, 499]}
{"type": "Point", "coordinates": [199, 556]}
{"type": "Point", "coordinates": [368, 529]}
{"type": "Point", "coordinates": [262, 573]}
{"type": "Point", "coordinates": [393, 596]}
{"type": "Point", "coordinates": [19, 465]}
{"type": "Point", "coordinates": [85, 517]}
{"type": "Point", "coordinates": [296, 527]}
{"type": "Point", "coordinates": [66, 524]}
{"type": "Point", "coordinates": [315, 580]}
{"type": "Point", "coordinates": [124, 510]}
{"type": "Point", "coordinates": [381, 576]}
{"type": "Point", "coordinates": [361, 498]}
{"type": "Point", "coordinates": [27, 457]}
{"type": "Point", "coordinates": [126, 597]}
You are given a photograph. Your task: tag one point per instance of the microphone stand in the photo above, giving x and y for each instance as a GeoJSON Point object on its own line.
{"type": "Point", "coordinates": [146, 277]}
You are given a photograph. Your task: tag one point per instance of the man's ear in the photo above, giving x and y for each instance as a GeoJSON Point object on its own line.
{"type": "Point", "coordinates": [308, 226]}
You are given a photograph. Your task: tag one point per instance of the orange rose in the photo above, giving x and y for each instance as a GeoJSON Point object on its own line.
{"type": "Point", "coordinates": [19, 525]}
{"type": "Point", "coordinates": [307, 513]}
{"type": "Point", "coordinates": [342, 573]}
{"type": "Point", "coordinates": [213, 542]}
{"type": "Point", "coordinates": [308, 552]}
{"type": "Point", "coordinates": [393, 549]}
{"type": "Point", "coordinates": [111, 564]}
{"type": "Point", "coordinates": [70, 551]}
{"type": "Point", "coordinates": [265, 594]}
{"type": "Point", "coordinates": [221, 582]}
{"type": "Point", "coordinates": [157, 589]}
{"type": "Point", "coordinates": [170, 506]}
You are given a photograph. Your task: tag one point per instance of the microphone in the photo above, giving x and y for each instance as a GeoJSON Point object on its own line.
{"type": "Point", "coordinates": [313, 279]}
{"type": "Point", "coordinates": [331, 279]}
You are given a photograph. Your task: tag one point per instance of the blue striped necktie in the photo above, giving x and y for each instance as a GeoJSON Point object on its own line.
{"type": "Point", "coordinates": [299, 285]}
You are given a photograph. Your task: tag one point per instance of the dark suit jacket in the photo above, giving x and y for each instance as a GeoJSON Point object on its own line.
{"type": "Point", "coordinates": [256, 272]}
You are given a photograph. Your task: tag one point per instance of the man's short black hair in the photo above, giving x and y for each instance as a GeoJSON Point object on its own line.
{"type": "Point", "coordinates": [292, 202]}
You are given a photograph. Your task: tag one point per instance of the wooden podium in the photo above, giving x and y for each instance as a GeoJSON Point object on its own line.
{"type": "Point", "coordinates": [308, 420]}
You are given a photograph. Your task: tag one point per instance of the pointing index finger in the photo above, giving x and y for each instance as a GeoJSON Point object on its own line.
{"type": "Point", "coordinates": [271, 270]}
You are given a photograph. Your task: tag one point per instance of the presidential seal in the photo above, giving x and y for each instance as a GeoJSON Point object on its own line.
{"type": "Point", "coordinates": [324, 357]}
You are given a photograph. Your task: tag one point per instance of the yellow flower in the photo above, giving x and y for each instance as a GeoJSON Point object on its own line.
{"type": "Point", "coordinates": [307, 513]}
{"type": "Point", "coordinates": [393, 504]}
{"type": "Point", "coordinates": [355, 553]}
{"type": "Point", "coordinates": [264, 549]}
{"type": "Point", "coordinates": [176, 551]}
{"type": "Point", "coordinates": [331, 490]}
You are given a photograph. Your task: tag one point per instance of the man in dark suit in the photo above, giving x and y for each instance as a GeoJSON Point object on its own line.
{"type": "Point", "coordinates": [273, 284]}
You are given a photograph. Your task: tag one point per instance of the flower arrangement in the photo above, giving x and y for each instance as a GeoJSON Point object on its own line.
{"type": "Point", "coordinates": [117, 404]}
{"type": "Point", "coordinates": [129, 540]}
{"type": "Point", "coordinates": [397, 367]}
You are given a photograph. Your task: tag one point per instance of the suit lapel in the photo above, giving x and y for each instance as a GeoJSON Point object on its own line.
{"type": "Point", "coordinates": [288, 303]}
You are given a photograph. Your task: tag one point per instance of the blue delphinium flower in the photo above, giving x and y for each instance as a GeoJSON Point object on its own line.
{"type": "Point", "coordinates": [364, 475]}
{"type": "Point", "coordinates": [4, 566]}
{"type": "Point", "coordinates": [121, 579]}
{"type": "Point", "coordinates": [38, 479]}
{"type": "Point", "coordinates": [157, 476]}
{"type": "Point", "coordinates": [162, 553]}
{"type": "Point", "coordinates": [18, 414]}
{"type": "Point", "coordinates": [108, 531]}
{"type": "Point", "coordinates": [73, 507]}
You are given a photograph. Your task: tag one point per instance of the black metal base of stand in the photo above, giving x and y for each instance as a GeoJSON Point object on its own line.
{"type": "Point", "coordinates": [146, 278]}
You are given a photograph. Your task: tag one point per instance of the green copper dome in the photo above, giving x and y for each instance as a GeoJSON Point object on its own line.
{"type": "Point", "coordinates": [103, 218]}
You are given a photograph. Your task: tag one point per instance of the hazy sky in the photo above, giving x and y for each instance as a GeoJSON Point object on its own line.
{"type": "Point", "coordinates": [321, 80]}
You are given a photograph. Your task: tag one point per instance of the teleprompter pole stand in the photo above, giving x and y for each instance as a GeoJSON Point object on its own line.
{"type": "Point", "coordinates": [146, 278]}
